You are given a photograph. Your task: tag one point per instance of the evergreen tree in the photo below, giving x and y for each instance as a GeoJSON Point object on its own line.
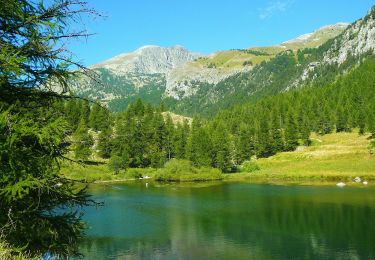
{"type": "Point", "coordinates": [244, 144]}
{"type": "Point", "coordinates": [341, 120]}
{"type": "Point", "coordinates": [105, 143]}
{"type": "Point", "coordinates": [83, 142]}
{"type": "Point", "coordinates": [199, 149]}
{"type": "Point", "coordinates": [119, 162]}
{"type": "Point", "coordinates": [305, 131]}
{"type": "Point", "coordinates": [361, 121]}
{"type": "Point", "coordinates": [180, 140]}
{"type": "Point", "coordinates": [276, 133]}
{"type": "Point", "coordinates": [99, 118]}
{"type": "Point", "coordinates": [169, 132]}
{"type": "Point", "coordinates": [159, 142]}
{"type": "Point", "coordinates": [85, 112]}
{"type": "Point", "coordinates": [39, 208]}
{"type": "Point", "coordinates": [221, 148]}
{"type": "Point", "coordinates": [264, 138]}
{"type": "Point", "coordinates": [72, 113]}
{"type": "Point", "coordinates": [291, 134]}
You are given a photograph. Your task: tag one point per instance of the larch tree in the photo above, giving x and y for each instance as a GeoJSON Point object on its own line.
{"type": "Point", "coordinates": [39, 208]}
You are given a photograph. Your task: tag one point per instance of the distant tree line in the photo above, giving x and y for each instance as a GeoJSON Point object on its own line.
{"type": "Point", "coordinates": [141, 136]}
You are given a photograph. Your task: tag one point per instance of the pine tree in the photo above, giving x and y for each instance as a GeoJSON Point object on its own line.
{"type": "Point", "coordinates": [83, 142]}
{"type": "Point", "coordinates": [199, 149]}
{"type": "Point", "coordinates": [276, 133]}
{"type": "Point", "coordinates": [305, 131]}
{"type": "Point", "coordinates": [265, 140]}
{"type": "Point", "coordinates": [72, 113]}
{"type": "Point", "coordinates": [85, 111]}
{"type": "Point", "coordinates": [361, 121]}
{"type": "Point", "coordinates": [169, 132]}
{"type": "Point", "coordinates": [290, 134]}
{"type": "Point", "coordinates": [180, 140]}
{"type": "Point", "coordinates": [341, 120]}
{"type": "Point", "coordinates": [105, 143]}
{"type": "Point", "coordinates": [221, 148]}
{"type": "Point", "coordinates": [244, 144]}
{"type": "Point", "coordinates": [99, 118]}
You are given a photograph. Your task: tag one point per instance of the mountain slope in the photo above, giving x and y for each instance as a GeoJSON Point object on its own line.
{"type": "Point", "coordinates": [192, 83]}
{"type": "Point", "coordinates": [287, 70]}
{"type": "Point", "coordinates": [140, 74]}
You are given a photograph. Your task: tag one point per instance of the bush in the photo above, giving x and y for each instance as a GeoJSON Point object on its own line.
{"type": "Point", "coordinates": [249, 166]}
{"type": "Point", "coordinates": [372, 147]}
{"type": "Point", "coordinates": [117, 163]}
{"type": "Point", "coordinates": [183, 170]}
{"type": "Point", "coordinates": [134, 173]}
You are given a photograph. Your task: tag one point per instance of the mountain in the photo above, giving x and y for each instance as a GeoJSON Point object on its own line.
{"type": "Point", "coordinates": [140, 74]}
{"type": "Point", "coordinates": [190, 83]}
{"type": "Point", "coordinates": [148, 60]}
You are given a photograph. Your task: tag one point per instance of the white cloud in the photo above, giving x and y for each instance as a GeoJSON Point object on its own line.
{"type": "Point", "coordinates": [273, 8]}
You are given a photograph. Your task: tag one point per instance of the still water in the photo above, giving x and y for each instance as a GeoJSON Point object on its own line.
{"type": "Point", "coordinates": [230, 221]}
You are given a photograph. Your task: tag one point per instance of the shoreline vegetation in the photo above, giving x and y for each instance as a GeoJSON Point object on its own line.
{"type": "Point", "coordinates": [331, 158]}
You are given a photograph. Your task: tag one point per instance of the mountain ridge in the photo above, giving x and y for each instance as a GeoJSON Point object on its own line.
{"type": "Point", "coordinates": [190, 82]}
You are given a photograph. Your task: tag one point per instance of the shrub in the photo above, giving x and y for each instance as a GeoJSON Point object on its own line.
{"type": "Point", "coordinates": [372, 147]}
{"type": "Point", "coordinates": [249, 166]}
{"type": "Point", "coordinates": [183, 170]}
{"type": "Point", "coordinates": [134, 173]}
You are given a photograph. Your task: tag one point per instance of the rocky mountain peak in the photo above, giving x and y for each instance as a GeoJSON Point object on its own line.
{"type": "Point", "coordinates": [149, 59]}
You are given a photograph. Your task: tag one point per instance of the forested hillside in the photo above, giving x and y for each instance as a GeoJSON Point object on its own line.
{"type": "Point", "coordinates": [141, 137]}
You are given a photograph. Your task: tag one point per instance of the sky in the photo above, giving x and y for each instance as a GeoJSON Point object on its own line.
{"type": "Point", "coordinates": [205, 26]}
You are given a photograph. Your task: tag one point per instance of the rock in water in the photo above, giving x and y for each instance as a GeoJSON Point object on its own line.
{"type": "Point", "coordinates": [357, 179]}
{"type": "Point", "coordinates": [340, 184]}
{"type": "Point", "coordinates": [365, 183]}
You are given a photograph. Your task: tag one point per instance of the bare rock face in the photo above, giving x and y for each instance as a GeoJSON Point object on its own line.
{"type": "Point", "coordinates": [148, 60]}
{"type": "Point", "coordinates": [356, 41]}
{"type": "Point", "coordinates": [182, 81]}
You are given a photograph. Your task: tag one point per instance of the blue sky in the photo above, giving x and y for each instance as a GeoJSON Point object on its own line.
{"type": "Point", "coordinates": [206, 26]}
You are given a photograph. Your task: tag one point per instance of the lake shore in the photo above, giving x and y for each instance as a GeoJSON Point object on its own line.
{"type": "Point", "coordinates": [332, 158]}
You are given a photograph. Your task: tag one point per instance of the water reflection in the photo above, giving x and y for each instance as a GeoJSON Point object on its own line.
{"type": "Point", "coordinates": [238, 221]}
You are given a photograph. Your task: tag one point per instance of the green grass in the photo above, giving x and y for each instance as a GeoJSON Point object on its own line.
{"type": "Point", "coordinates": [101, 173]}
{"type": "Point", "coordinates": [331, 158]}
{"type": "Point", "coordinates": [184, 171]}
{"type": "Point", "coordinates": [174, 170]}
{"type": "Point", "coordinates": [231, 59]}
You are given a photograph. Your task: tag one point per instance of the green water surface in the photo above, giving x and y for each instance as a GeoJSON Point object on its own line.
{"type": "Point", "coordinates": [230, 221]}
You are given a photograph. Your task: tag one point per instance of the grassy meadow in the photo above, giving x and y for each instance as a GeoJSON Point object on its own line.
{"type": "Point", "coordinates": [338, 157]}
{"type": "Point", "coordinates": [331, 158]}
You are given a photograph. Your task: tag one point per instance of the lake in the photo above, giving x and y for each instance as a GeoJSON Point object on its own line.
{"type": "Point", "coordinates": [230, 221]}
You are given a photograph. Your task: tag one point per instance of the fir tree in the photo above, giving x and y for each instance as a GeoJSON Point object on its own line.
{"type": "Point", "coordinates": [199, 149]}
{"type": "Point", "coordinates": [180, 140]}
{"type": "Point", "coordinates": [221, 148]}
{"type": "Point", "coordinates": [105, 143]}
{"type": "Point", "coordinates": [83, 142]}
{"type": "Point", "coordinates": [291, 134]}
